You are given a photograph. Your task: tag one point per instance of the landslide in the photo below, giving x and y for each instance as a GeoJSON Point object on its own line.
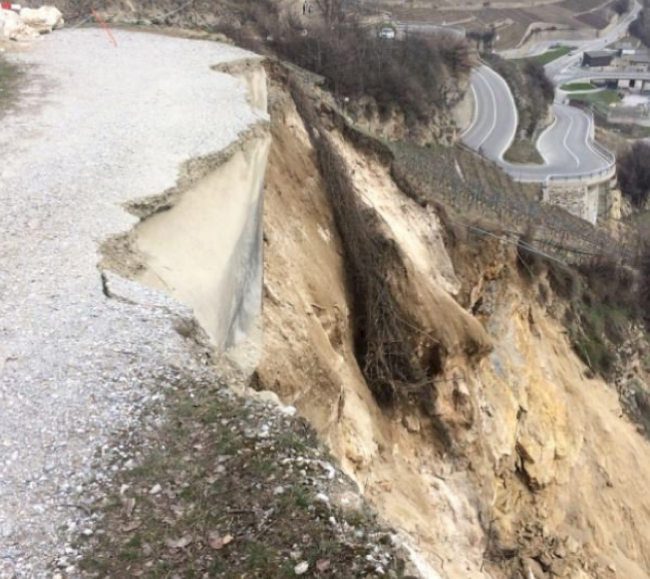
{"type": "Point", "coordinates": [502, 454]}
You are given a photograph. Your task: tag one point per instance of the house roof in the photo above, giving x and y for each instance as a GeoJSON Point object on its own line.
{"type": "Point", "coordinates": [599, 54]}
{"type": "Point", "coordinates": [641, 57]}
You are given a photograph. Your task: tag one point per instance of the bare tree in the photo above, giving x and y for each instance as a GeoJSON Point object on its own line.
{"type": "Point", "coordinates": [634, 173]}
{"type": "Point", "coordinates": [621, 6]}
{"type": "Point", "coordinates": [332, 10]}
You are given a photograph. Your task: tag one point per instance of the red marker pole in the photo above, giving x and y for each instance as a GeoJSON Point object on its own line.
{"type": "Point", "coordinates": [10, 6]}
{"type": "Point", "coordinates": [103, 25]}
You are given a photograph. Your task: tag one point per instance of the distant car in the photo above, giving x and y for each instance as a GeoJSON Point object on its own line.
{"type": "Point", "coordinates": [387, 32]}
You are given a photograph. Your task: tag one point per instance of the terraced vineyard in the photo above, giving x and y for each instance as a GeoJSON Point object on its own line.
{"type": "Point", "coordinates": [472, 187]}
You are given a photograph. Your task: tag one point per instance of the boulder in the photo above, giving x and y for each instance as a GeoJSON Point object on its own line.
{"type": "Point", "coordinates": [43, 19]}
{"type": "Point", "coordinates": [12, 27]}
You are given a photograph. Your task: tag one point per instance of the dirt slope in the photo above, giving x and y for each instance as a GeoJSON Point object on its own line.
{"type": "Point", "coordinates": [518, 466]}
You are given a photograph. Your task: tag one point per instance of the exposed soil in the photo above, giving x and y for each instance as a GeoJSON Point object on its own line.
{"type": "Point", "coordinates": [510, 457]}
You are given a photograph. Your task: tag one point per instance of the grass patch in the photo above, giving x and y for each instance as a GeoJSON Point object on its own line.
{"type": "Point", "coordinates": [601, 99]}
{"type": "Point", "coordinates": [603, 302]}
{"type": "Point", "coordinates": [9, 81]}
{"type": "Point", "coordinates": [525, 152]}
{"type": "Point", "coordinates": [577, 87]}
{"type": "Point", "coordinates": [230, 498]}
{"type": "Point", "coordinates": [548, 56]}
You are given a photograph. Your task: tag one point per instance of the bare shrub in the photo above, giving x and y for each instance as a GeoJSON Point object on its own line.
{"type": "Point", "coordinates": [564, 281]}
{"type": "Point", "coordinates": [382, 333]}
{"type": "Point", "coordinates": [621, 6]}
{"type": "Point", "coordinates": [641, 26]}
{"type": "Point", "coordinates": [634, 173]}
{"type": "Point", "coordinates": [529, 261]}
{"type": "Point", "coordinates": [417, 75]}
{"type": "Point", "coordinates": [484, 38]}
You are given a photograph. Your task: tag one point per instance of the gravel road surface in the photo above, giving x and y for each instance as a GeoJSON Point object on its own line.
{"type": "Point", "coordinates": [97, 126]}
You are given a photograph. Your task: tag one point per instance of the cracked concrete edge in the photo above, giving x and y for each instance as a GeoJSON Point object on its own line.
{"type": "Point", "coordinates": [239, 66]}
{"type": "Point", "coordinates": [244, 70]}
{"type": "Point", "coordinates": [120, 260]}
{"type": "Point", "coordinates": [134, 294]}
{"type": "Point", "coordinates": [192, 171]}
{"type": "Point", "coordinates": [118, 252]}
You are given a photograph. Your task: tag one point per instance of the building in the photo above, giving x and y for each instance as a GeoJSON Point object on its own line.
{"type": "Point", "coordinates": [625, 49]}
{"type": "Point", "coordinates": [640, 58]}
{"type": "Point", "coordinates": [597, 58]}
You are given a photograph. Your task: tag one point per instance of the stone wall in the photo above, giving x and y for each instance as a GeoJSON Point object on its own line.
{"type": "Point", "coordinates": [579, 200]}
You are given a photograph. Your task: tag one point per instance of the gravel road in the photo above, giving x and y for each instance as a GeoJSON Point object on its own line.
{"type": "Point", "coordinates": [96, 126]}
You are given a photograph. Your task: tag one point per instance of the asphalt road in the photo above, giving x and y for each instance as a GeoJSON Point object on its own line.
{"type": "Point", "coordinates": [557, 67]}
{"type": "Point", "coordinates": [567, 146]}
{"type": "Point", "coordinates": [585, 74]}
{"type": "Point", "coordinates": [495, 115]}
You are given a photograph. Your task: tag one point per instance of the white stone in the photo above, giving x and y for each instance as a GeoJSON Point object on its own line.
{"type": "Point", "coordinates": [301, 568]}
{"type": "Point", "coordinates": [43, 19]}
{"type": "Point", "coordinates": [12, 27]}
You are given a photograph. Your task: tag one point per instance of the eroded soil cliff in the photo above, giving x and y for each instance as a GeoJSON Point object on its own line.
{"type": "Point", "coordinates": [509, 461]}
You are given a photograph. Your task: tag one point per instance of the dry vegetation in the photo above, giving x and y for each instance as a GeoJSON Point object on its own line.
{"type": "Point", "coordinates": [382, 333]}
{"type": "Point", "coordinates": [472, 187]}
{"type": "Point", "coordinates": [634, 173]}
{"type": "Point", "coordinates": [641, 26]}
{"type": "Point", "coordinates": [416, 76]}
{"type": "Point", "coordinates": [603, 299]}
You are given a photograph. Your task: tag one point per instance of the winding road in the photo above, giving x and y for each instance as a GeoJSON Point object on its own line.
{"type": "Point", "coordinates": [567, 146]}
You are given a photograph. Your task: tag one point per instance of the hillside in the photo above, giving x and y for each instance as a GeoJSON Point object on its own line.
{"type": "Point", "coordinates": [303, 336]}
{"type": "Point", "coordinates": [486, 442]}
{"type": "Point", "coordinates": [519, 455]}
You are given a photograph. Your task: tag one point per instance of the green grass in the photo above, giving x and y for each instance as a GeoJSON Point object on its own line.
{"type": "Point", "coordinates": [524, 151]}
{"type": "Point", "coordinates": [9, 77]}
{"type": "Point", "coordinates": [601, 99]}
{"type": "Point", "coordinates": [578, 87]}
{"type": "Point", "coordinates": [549, 55]}
{"type": "Point", "coordinates": [216, 478]}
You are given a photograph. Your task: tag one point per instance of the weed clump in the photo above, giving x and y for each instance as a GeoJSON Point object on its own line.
{"type": "Point", "coordinates": [603, 300]}
{"type": "Point", "coordinates": [229, 488]}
